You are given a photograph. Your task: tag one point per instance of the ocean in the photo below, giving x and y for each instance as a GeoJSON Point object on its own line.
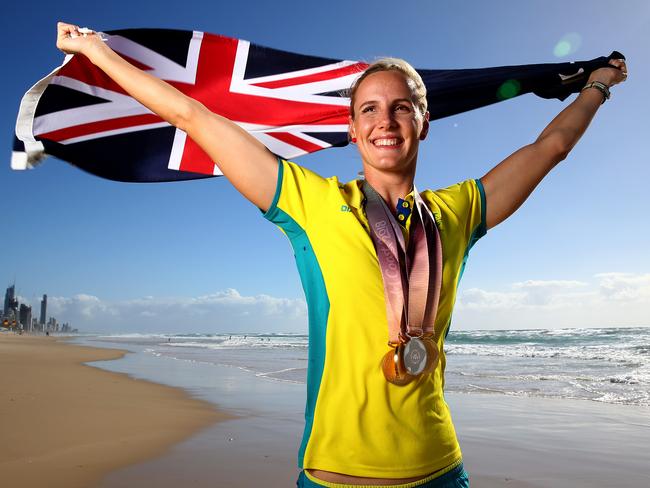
{"type": "Point", "coordinates": [610, 365]}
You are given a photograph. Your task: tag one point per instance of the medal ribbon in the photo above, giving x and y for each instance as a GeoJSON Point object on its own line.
{"type": "Point", "coordinates": [412, 277]}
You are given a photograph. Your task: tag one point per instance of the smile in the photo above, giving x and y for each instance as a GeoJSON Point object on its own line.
{"type": "Point", "coordinates": [387, 142]}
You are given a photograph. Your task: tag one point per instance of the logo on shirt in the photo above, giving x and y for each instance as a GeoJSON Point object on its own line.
{"type": "Point", "coordinates": [345, 208]}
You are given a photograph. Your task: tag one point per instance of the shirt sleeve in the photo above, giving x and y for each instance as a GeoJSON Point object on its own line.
{"type": "Point", "coordinates": [297, 194]}
{"type": "Point", "coordinates": [462, 209]}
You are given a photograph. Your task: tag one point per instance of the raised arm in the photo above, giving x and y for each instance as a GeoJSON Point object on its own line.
{"type": "Point", "coordinates": [245, 161]}
{"type": "Point", "coordinates": [509, 183]}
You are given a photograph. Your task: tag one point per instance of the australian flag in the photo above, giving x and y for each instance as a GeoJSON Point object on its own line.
{"type": "Point", "coordinates": [293, 103]}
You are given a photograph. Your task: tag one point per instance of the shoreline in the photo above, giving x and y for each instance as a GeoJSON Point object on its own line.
{"type": "Point", "coordinates": [506, 441]}
{"type": "Point", "coordinates": [516, 442]}
{"type": "Point", "coordinates": [66, 423]}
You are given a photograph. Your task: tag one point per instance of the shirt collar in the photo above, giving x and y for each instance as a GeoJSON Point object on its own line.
{"type": "Point", "coordinates": [356, 198]}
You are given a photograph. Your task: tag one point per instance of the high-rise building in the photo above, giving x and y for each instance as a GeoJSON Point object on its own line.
{"type": "Point", "coordinates": [26, 317]}
{"type": "Point", "coordinates": [11, 304]}
{"type": "Point", "coordinates": [43, 309]}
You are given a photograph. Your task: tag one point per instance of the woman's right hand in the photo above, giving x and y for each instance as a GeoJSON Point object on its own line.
{"type": "Point", "coordinates": [243, 159]}
{"type": "Point", "coordinates": [71, 41]}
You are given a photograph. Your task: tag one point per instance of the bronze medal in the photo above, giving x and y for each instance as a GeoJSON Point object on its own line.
{"type": "Point", "coordinates": [433, 355]}
{"type": "Point", "coordinates": [393, 367]}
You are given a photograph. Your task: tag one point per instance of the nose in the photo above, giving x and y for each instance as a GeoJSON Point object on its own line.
{"type": "Point", "coordinates": [386, 118]}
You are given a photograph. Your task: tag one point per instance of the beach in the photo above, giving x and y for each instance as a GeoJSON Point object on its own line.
{"type": "Point", "coordinates": [507, 440]}
{"type": "Point", "coordinates": [65, 424]}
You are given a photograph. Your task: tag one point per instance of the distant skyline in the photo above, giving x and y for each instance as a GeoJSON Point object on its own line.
{"type": "Point", "coordinates": [196, 257]}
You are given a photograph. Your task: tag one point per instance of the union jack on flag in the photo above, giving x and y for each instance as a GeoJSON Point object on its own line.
{"type": "Point", "coordinates": [294, 104]}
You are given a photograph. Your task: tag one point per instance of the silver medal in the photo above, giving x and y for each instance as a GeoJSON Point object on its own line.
{"type": "Point", "coordinates": [415, 356]}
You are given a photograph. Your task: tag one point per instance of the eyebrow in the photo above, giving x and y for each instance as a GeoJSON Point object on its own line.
{"type": "Point", "coordinates": [394, 101]}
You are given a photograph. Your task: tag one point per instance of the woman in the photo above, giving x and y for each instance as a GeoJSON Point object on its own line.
{"type": "Point", "coordinates": [375, 412]}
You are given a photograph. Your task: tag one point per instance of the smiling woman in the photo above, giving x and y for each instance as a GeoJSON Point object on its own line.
{"type": "Point", "coordinates": [388, 118]}
{"type": "Point", "coordinates": [379, 261]}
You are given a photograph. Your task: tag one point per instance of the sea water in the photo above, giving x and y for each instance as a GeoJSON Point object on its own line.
{"type": "Point", "coordinates": [610, 365]}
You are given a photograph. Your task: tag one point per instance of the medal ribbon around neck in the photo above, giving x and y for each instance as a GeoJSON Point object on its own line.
{"type": "Point", "coordinates": [412, 277]}
{"type": "Point", "coordinates": [412, 280]}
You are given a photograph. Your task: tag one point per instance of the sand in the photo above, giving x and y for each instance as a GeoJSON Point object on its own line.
{"type": "Point", "coordinates": [67, 424]}
{"type": "Point", "coordinates": [507, 442]}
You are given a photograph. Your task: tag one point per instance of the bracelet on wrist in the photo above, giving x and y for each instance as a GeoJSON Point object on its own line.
{"type": "Point", "coordinates": [601, 87]}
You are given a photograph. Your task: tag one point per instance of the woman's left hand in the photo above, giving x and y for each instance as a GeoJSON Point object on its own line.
{"type": "Point", "coordinates": [610, 76]}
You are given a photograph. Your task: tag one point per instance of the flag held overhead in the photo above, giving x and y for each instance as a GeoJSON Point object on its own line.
{"type": "Point", "coordinates": [294, 104]}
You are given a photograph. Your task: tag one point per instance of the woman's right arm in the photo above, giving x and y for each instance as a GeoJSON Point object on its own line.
{"type": "Point", "coordinates": [246, 162]}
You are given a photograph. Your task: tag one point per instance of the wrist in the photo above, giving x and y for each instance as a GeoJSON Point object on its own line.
{"type": "Point", "coordinates": [600, 86]}
{"type": "Point", "coordinates": [601, 79]}
{"type": "Point", "coordinates": [95, 51]}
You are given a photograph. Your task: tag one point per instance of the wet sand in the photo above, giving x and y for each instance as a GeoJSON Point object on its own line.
{"type": "Point", "coordinates": [507, 442]}
{"type": "Point", "coordinates": [67, 424]}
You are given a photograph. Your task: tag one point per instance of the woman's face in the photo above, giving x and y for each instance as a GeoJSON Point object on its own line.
{"type": "Point", "coordinates": [386, 124]}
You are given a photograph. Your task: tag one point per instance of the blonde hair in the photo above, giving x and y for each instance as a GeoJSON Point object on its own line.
{"type": "Point", "coordinates": [413, 79]}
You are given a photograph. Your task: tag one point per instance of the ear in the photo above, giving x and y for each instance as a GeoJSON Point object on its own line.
{"type": "Point", "coordinates": [425, 127]}
{"type": "Point", "coordinates": [351, 132]}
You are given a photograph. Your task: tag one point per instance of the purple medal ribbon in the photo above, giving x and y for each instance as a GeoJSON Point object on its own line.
{"type": "Point", "coordinates": [412, 277]}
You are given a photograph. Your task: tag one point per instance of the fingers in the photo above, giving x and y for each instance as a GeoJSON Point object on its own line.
{"type": "Point", "coordinates": [72, 39]}
{"type": "Point", "coordinates": [620, 64]}
{"type": "Point", "coordinates": [71, 30]}
{"type": "Point", "coordinates": [67, 30]}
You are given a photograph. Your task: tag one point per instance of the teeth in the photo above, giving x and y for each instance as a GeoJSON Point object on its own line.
{"type": "Point", "coordinates": [385, 142]}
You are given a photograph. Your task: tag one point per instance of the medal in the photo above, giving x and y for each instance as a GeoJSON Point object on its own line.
{"type": "Point", "coordinates": [415, 356]}
{"type": "Point", "coordinates": [433, 354]}
{"type": "Point", "coordinates": [393, 367]}
{"type": "Point", "coordinates": [412, 278]}
{"type": "Point", "coordinates": [420, 355]}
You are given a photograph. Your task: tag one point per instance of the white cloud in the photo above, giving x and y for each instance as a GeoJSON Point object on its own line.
{"type": "Point", "coordinates": [82, 305]}
{"type": "Point", "coordinates": [223, 311]}
{"type": "Point", "coordinates": [482, 299]}
{"type": "Point", "coordinates": [549, 284]}
{"type": "Point", "coordinates": [531, 293]}
{"type": "Point", "coordinates": [624, 286]}
{"type": "Point", "coordinates": [609, 299]}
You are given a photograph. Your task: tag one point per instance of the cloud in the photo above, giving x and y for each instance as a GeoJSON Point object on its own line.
{"type": "Point", "coordinates": [222, 311]}
{"type": "Point", "coordinates": [608, 299]}
{"type": "Point", "coordinates": [531, 293]}
{"type": "Point", "coordinates": [626, 287]}
{"type": "Point", "coordinates": [484, 299]}
{"type": "Point", "coordinates": [82, 305]}
{"type": "Point", "coordinates": [549, 284]}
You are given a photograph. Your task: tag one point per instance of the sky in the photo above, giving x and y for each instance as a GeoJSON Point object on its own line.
{"type": "Point", "coordinates": [196, 257]}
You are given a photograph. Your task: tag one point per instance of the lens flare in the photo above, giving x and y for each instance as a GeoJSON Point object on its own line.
{"type": "Point", "coordinates": [569, 44]}
{"type": "Point", "coordinates": [508, 89]}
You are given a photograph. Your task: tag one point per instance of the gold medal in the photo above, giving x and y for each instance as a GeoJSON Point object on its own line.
{"type": "Point", "coordinates": [393, 367]}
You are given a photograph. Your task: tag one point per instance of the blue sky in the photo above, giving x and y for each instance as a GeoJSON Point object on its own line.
{"type": "Point", "coordinates": [195, 256]}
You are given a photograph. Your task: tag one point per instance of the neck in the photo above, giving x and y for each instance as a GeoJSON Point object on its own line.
{"type": "Point", "coordinates": [390, 186]}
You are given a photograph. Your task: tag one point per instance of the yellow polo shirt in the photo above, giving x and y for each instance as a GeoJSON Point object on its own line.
{"type": "Point", "coordinates": [356, 422]}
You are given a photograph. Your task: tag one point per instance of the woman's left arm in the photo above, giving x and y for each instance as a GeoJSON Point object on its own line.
{"type": "Point", "coordinates": [509, 183]}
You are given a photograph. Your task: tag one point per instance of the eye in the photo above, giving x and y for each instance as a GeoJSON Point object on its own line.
{"type": "Point", "coordinates": [368, 109]}
{"type": "Point", "coordinates": [402, 108]}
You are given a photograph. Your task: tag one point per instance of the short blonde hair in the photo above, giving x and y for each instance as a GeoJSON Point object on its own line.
{"type": "Point", "coordinates": [413, 79]}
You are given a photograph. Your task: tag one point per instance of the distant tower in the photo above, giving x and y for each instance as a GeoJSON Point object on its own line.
{"type": "Point", "coordinates": [43, 309]}
{"type": "Point", "coordinates": [10, 299]}
{"type": "Point", "coordinates": [26, 317]}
